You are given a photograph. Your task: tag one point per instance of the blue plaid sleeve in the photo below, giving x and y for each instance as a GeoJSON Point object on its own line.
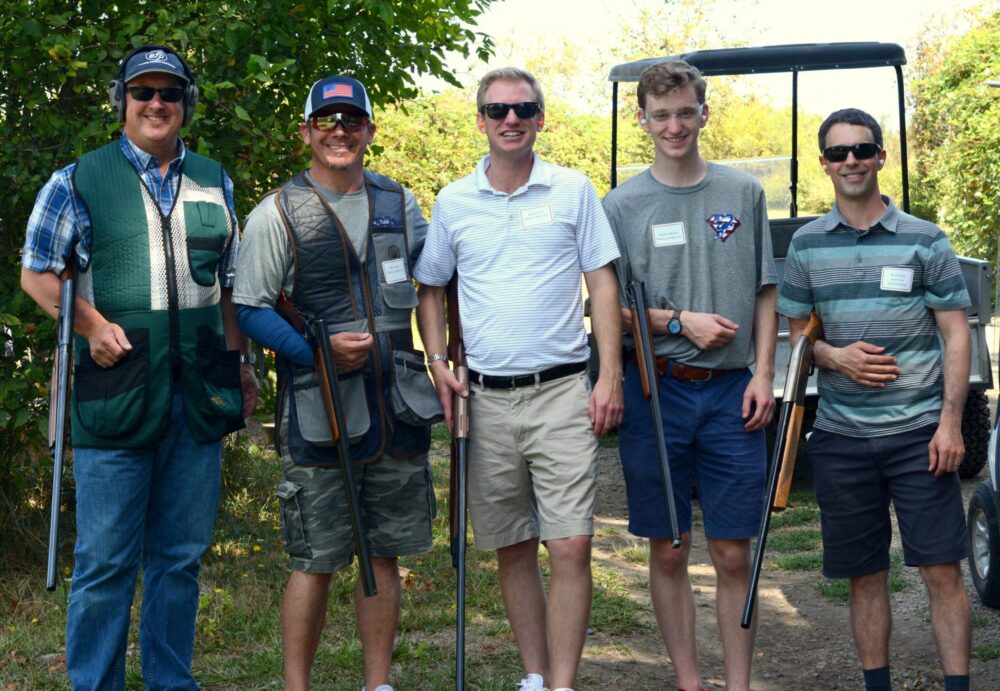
{"type": "Point", "coordinates": [58, 223]}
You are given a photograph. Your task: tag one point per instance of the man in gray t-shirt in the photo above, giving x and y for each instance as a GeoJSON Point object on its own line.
{"type": "Point", "coordinates": [696, 234]}
{"type": "Point", "coordinates": [339, 242]}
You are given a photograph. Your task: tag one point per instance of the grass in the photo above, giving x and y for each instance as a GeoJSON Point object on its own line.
{"type": "Point", "coordinates": [986, 652]}
{"type": "Point", "coordinates": [839, 589]}
{"type": "Point", "coordinates": [238, 644]}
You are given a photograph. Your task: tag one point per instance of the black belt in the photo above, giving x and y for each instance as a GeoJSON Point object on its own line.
{"type": "Point", "coordinates": [491, 381]}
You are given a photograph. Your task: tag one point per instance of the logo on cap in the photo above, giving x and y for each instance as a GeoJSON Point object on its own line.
{"type": "Point", "coordinates": [337, 89]}
{"type": "Point", "coordinates": [156, 56]}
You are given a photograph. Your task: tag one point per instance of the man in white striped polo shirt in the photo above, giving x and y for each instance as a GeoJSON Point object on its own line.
{"type": "Point", "coordinates": [520, 232]}
{"type": "Point", "coordinates": [889, 424]}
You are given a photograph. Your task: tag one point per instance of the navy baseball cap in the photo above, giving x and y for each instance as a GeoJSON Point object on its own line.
{"type": "Point", "coordinates": [154, 60]}
{"type": "Point", "coordinates": [337, 89]}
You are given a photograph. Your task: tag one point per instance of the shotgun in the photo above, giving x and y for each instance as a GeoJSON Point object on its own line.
{"type": "Point", "coordinates": [459, 475]}
{"type": "Point", "coordinates": [642, 334]}
{"type": "Point", "coordinates": [326, 371]}
{"type": "Point", "coordinates": [786, 445]}
{"type": "Point", "coordinates": [58, 411]}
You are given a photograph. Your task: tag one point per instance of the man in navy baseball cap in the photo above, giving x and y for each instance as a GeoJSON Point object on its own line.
{"type": "Point", "coordinates": [337, 89]}
{"type": "Point", "coordinates": [155, 60]}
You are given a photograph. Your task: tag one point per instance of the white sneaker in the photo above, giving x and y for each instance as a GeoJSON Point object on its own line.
{"type": "Point", "coordinates": [563, 688]}
{"type": "Point", "coordinates": [532, 682]}
{"type": "Point", "coordinates": [383, 687]}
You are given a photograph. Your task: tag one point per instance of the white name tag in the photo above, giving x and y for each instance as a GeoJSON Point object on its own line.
{"type": "Point", "coordinates": [539, 216]}
{"type": "Point", "coordinates": [667, 234]}
{"type": "Point", "coordinates": [897, 279]}
{"type": "Point", "coordinates": [394, 270]}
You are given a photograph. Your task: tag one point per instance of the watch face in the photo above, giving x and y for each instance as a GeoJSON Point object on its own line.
{"type": "Point", "coordinates": [674, 326]}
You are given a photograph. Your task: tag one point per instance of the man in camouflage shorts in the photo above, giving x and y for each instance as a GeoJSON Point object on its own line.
{"type": "Point", "coordinates": [338, 242]}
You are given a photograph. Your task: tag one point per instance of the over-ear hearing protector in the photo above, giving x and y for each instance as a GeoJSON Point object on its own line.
{"type": "Point", "coordinates": [116, 88]}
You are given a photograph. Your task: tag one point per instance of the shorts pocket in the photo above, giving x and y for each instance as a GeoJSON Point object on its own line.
{"type": "Point", "coordinates": [293, 529]}
{"type": "Point", "coordinates": [414, 398]}
{"type": "Point", "coordinates": [219, 370]}
{"type": "Point", "coordinates": [111, 401]}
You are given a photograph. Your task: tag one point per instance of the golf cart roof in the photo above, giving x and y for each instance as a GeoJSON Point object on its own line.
{"type": "Point", "coordinates": [797, 57]}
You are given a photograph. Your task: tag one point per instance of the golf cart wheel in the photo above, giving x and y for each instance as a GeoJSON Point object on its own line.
{"type": "Point", "coordinates": [984, 534]}
{"type": "Point", "coordinates": [975, 433]}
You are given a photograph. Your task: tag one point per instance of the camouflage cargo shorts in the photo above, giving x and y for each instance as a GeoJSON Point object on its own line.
{"type": "Point", "coordinates": [397, 502]}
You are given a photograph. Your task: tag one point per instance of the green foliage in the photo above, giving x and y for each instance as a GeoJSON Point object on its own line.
{"type": "Point", "coordinates": [254, 63]}
{"type": "Point", "coordinates": [955, 133]}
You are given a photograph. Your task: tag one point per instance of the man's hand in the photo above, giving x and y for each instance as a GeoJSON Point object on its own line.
{"type": "Point", "coordinates": [108, 344]}
{"type": "Point", "coordinates": [759, 400]}
{"type": "Point", "coordinates": [707, 331]}
{"type": "Point", "coordinates": [864, 363]}
{"type": "Point", "coordinates": [946, 449]}
{"type": "Point", "coordinates": [250, 388]}
{"type": "Point", "coordinates": [606, 405]}
{"type": "Point", "coordinates": [350, 350]}
{"type": "Point", "coordinates": [447, 386]}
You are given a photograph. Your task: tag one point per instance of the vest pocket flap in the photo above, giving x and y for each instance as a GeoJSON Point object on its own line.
{"type": "Point", "coordinates": [219, 371]}
{"type": "Point", "coordinates": [110, 402]}
{"type": "Point", "coordinates": [311, 413]}
{"type": "Point", "coordinates": [400, 296]}
{"type": "Point", "coordinates": [414, 398]}
{"type": "Point", "coordinates": [206, 230]}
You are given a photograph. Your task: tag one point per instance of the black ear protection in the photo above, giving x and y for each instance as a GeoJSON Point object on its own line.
{"type": "Point", "coordinates": [116, 87]}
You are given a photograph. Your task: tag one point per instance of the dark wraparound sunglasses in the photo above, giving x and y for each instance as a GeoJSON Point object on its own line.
{"type": "Point", "coordinates": [498, 111]}
{"type": "Point", "coordinates": [351, 123]}
{"type": "Point", "coordinates": [168, 94]}
{"type": "Point", "coordinates": [862, 152]}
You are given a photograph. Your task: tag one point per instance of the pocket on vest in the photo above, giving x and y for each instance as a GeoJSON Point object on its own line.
{"type": "Point", "coordinates": [111, 401]}
{"type": "Point", "coordinates": [310, 413]}
{"type": "Point", "coordinates": [414, 398]}
{"type": "Point", "coordinates": [206, 229]}
{"type": "Point", "coordinates": [219, 370]}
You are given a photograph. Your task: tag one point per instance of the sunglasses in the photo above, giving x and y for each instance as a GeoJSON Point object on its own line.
{"type": "Point", "coordinates": [350, 123]}
{"type": "Point", "coordinates": [498, 111]}
{"type": "Point", "coordinates": [862, 152]}
{"type": "Point", "coordinates": [168, 94]}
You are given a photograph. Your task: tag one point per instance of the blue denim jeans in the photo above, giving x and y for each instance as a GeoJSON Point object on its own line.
{"type": "Point", "coordinates": [155, 506]}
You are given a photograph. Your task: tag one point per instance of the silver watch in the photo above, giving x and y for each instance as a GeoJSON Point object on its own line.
{"type": "Point", "coordinates": [434, 357]}
{"type": "Point", "coordinates": [249, 359]}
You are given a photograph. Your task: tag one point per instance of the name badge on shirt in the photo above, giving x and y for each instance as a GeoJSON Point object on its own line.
{"type": "Point", "coordinates": [667, 234]}
{"type": "Point", "coordinates": [539, 216]}
{"type": "Point", "coordinates": [899, 280]}
{"type": "Point", "coordinates": [394, 270]}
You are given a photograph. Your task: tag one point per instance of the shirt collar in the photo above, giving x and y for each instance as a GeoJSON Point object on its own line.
{"type": "Point", "coordinates": [143, 160]}
{"type": "Point", "coordinates": [887, 221]}
{"type": "Point", "coordinates": [541, 174]}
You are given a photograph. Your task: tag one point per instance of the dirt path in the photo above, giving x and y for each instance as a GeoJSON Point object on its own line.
{"type": "Point", "coordinates": [803, 641]}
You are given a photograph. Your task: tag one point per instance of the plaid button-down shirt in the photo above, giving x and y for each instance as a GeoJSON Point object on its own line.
{"type": "Point", "coordinates": [59, 222]}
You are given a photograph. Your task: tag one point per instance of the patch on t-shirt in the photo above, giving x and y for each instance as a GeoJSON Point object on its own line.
{"type": "Point", "coordinates": [724, 225]}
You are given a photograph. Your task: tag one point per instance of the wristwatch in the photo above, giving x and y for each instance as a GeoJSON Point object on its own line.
{"type": "Point", "coordinates": [434, 357]}
{"type": "Point", "coordinates": [250, 359]}
{"type": "Point", "coordinates": [674, 325]}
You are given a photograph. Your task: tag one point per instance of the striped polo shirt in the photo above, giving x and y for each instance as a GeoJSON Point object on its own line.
{"type": "Point", "coordinates": [519, 258]}
{"type": "Point", "coordinates": [879, 286]}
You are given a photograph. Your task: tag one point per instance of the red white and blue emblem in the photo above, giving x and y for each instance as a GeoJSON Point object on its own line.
{"type": "Point", "coordinates": [724, 225]}
{"type": "Point", "coordinates": [335, 89]}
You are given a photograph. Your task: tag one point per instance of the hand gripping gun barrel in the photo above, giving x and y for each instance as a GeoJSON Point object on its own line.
{"type": "Point", "coordinates": [786, 445]}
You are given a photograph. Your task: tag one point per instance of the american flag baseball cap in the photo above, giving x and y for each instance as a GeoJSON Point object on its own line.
{"type": "Point", "coordinates": [337, 89]}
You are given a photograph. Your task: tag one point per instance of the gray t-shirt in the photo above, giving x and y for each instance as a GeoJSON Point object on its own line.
{"type": "Point", "coordinates": [704, 248]}
{"type": "Point", "coordinates": [265, 267]}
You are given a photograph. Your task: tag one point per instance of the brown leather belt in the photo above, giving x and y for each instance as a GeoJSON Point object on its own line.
{"type": "Point", "coordinates": [677, 370]}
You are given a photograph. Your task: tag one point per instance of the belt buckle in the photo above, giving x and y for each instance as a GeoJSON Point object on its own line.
{"type": "Point", "coordinates": [513, 382]}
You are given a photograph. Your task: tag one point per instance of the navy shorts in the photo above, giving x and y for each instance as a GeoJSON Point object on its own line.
{"type": "Point", "coordinates": [705, 441]}
{"type": "Point", "coordinates": [855, 480]}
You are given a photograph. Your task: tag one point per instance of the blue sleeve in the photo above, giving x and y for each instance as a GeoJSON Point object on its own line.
{"type": "Point", "coordinates": [265, 326]}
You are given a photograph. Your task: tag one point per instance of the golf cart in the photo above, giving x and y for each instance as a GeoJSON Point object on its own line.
{"type": "Point", "coordinates": [793, 59]}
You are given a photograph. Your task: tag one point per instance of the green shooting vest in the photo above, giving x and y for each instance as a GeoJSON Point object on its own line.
{"type": "Point", "coordinates": [155, 276]}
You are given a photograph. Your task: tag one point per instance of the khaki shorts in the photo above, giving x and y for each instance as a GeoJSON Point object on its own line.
{"type": "Point", "coordinates": [397, 502]}
{"type": "Point", "coordinates": [532, 462]}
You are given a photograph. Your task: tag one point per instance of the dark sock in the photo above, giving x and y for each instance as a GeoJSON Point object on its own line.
{"type": "Point", "coordinates": [956, 682]}
{"type": "Point", "coordinates": [878, 679]}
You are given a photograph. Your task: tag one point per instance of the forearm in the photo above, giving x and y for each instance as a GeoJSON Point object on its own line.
{"type": "Point", "coordinates": [765, 331]}
{"type": "Point", "coordinates": [606, 320]}
{"type": "Point", "coordinates": [235, 340]}
{"type": "Point", "coordinates": [430, 318]}
{"type": "Point", "coordinates": [44, 288]}
{"type": "Point", "coordinates": [956, 363]}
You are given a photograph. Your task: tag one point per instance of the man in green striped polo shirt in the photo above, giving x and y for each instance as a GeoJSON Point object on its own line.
{"type": "Point", "coordinates": [886, 285]}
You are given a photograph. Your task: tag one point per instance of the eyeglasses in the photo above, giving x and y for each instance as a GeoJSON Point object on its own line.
{"type": "Point", "coordinates": [686, 115]}
{"type": "Point", "coordinates": [498, 111]}
{"type": "Point", "coordinates": [862, 151]}
{"type": "Point", "coordinates": [168, 94]}
{"type": "Point", "coordinates": [351, 123]}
